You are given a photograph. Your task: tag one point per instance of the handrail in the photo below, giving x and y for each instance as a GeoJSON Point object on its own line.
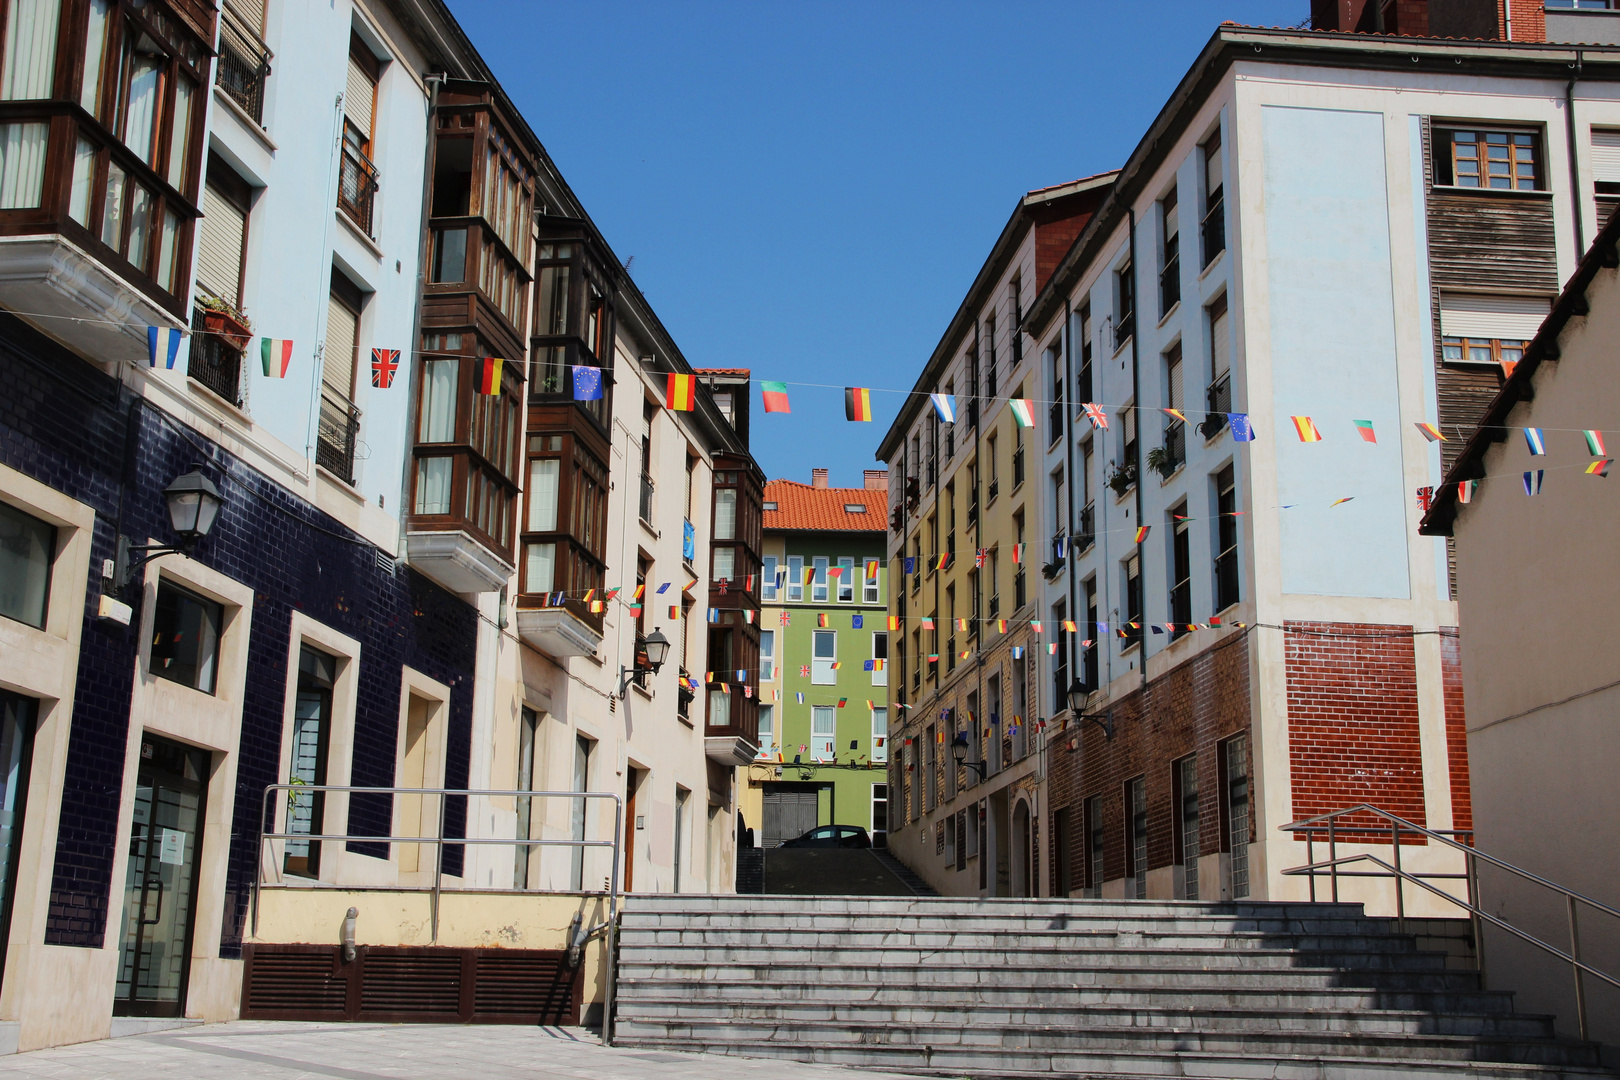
{"type": "Point", "coordinates": [1399, 827]}
{"type": "Point", "coordinates": [609, 927]}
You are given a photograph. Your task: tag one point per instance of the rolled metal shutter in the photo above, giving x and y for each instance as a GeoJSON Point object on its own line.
{"type": "Point", "coordinates": [1483, 316]}
{"type": "Point", "coordinates": [219, 254]}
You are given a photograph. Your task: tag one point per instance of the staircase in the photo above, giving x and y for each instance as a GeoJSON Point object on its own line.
{"type": "Point", "coordinates": [1014, 988]}
{"type": "Point", "coordinates": [907, 877]}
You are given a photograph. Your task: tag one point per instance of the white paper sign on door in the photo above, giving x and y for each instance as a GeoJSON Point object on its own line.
{"type": "Point", "coordinates": [173, 849]}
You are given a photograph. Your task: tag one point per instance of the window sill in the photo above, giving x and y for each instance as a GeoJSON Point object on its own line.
{"type": "Point", "coordinates": [342, 485]}
{"type": "Point", "coordinates": [218, 402]}
{"type": "Point", "coordinates": [1213, 263]}
{"type": "Point", "coordinates": [1167, 316]}
{"type": "Point", "coordinates": [1177, 471]}
{"type": "Point", "coordinates": [359, 235]}
{"type": "Point", "coordinates": [1495, 193]}
{"type": "Point", "coordinates": [1215, 438]}
{"type": "Point", "coordinates": [648, 528]}
{"type": "Point", "coordinates": [1121, 347]}
{"type": "Point", "coordinates": [1121, 496]}
{"type": "Point", "coordinates": [642, 690]}
{"type": "Point", "coordinates": [252, 125]}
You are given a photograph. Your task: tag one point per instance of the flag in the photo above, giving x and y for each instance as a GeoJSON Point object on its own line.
{"type": "Point", "coordinates": [842, 702]}
{"type": "Point", "coordinates": [857, 403]}
{"type": "Point", "coordinates": [908, 565]}
{"type": "Point", "coordinates": [164, 341]}
{"type": "Point", "coordinates": [961, 624]}
{"type": "Point", "coordinates": [979, 556]}
{"type": "Point", "coordinates": [835, 571]}
{"type": "Point", "coordinates": [1001, 626]}
{"type": "Point", "coordinates": [1102, 628]}
{"type": "Point", "coordinates": [1057, 548]}
{"type": "Point", "coordinates": [856, 622]}
{"type": "Point", "coordinates": [1023, 411]}
{"type": "Point", "coordinates": [1177, 413]}
{"type": "Point", "coordinates": [1599, 467]}
{"type": "Point", "coordinates": [611, 593]}
{"type": "Point", "coordinates": [1035, 625]}
{"type": "Point", "coordinates": [1018, 652]}
{"type": "Point", "coordinates": [714, 614]}
{"type": "Point", "coordinates": [1338, 502]}
{"type": "Point", "coordinates": [894, 622]}
{"type": "Point", "coordinates": [775, 394]}
{"type": "Point", "coordinates": [1018, 553]}
{"type": "Point", "coordinates": [748, 616]}
{"type": "Point", "coordinates": [674, 611]}
{"type": "Point", "coordinates": [664, 587]}
{"type": "Point", "coordinates": [1431, 432]}
{"type": "Point", "coordinates": [1594, 443]}
{"type": "Point", "coordinates": [943, 562]}
{"type": "Point", "coordinates": [1532, 482]}
{"type": "Point", "coordinates": [587, 383]}
{"type": "Point", "coordinates": [641, 590]}
{"type": "Point", "coordinates": [1507, 368]}
{"type": "Point", "coordinates": [1465, 490]}
{"type": "Point", "coordinates": [384, 363]}
{"type": "Point", "coordinates": [689, 584]}
{"type": "Point", "coordinates": [680, 392]}
{"type": "Point", "coordinates": [866, 665]}
{"type": "Point", "coordinates": [786, 619]}
{"type": "Point", "coordinates": [1157, 629]}
{"type": "Point", "coordinates": [871, 568]}
{"type": "Point", "coordinates": [1241, 429]}
{"type": "Point", "coordinates": [1096, 414]}
{"type": "Point", "coordinates": [1141, 532]}
{"type": "Point", "coordinates": [1069, 625]}
{"type": "Point", "coordinates": [1535, 441]}
{"type": "Point", "coordinates": [1051, 648]}
{"type": "Point", "coordinates": [835, 664]}
{"type": "Point", "coordinates": [804, 671]}
{"type": "Point", "coordinates": [945, 405]}
{"type": "Point", "coordinates": [276, 354]}
{"type": "Point", "coordinates": [1365, 429]}
{"type": "Point", "coordinates": [928, 622]}
{"type": "Point", "coordinates": [489, 375]}
{"type": "Point", "coordinates": [800, 696]}
{"type": "Point", "coordinates": [1306, 428]}
{"type": "Point", "coordinates": [821, 620]}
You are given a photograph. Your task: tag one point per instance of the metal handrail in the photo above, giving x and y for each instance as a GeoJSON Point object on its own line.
{"type": "Point", "coordinates": [1399, 827]}
{"type": "Point", "coordinates": [609, 927]}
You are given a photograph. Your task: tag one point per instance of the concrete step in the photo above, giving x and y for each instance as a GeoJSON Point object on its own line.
{"type": "Point", "coordinates": [1013, 956]}
{"type": "Point", "coordinates": [900, 870]}
{"type": "Point", "coordinates": [714, 937]}
{"type": "Point", "coordinates": [1043, 1065]}
{"type": "Point", "coordinates": [927, 922]}
{"type": "Point", "coordinates": [690, 904]}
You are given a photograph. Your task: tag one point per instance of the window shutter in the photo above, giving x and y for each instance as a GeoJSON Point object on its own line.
{"type": "Point", "coordinates": [219, 254]}
{"type": "Point", "coordinates": [342, 331]}
{"type": "Point", "coordinates": [359, 97]}
{"type": "Point", "coordinates": [1606, 156]}
{"type": "Point", "coordinates": [1486, 316]}
{"type": "Point", "coordinates": [251, 12]}
{"type": "Point", "coordinates": [1174, 381]}
{"type": "Point", "coordinates": [1219, 348]}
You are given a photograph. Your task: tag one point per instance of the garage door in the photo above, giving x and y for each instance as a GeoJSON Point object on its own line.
{"type": "Point", "coordinates": [789, 814]}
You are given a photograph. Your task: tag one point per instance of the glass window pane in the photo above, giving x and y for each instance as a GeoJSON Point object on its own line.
{"type": "Point", "coordinates": [767, 584]}
{"type": "Point", "coordinates": [438, 422]}
{"type": "Point", "coordinates": [450, 256]}
{"type": "Point", "coordinates": [767, 726]}
{"type": "Point", "coordinates": [719, 708]}
{"type": "Point", "coordinates": [543, 474]}
{"type": "Point", "coordinates": [140, 224]}
{"type": "Point", "coordinates": [180, 133]}
{"type": "Point", "coordinates": [112, 209]}
{"type": "Point", "coordinates": [84, 174]}
{"type": "Point", "coordinates": [166, 250]}
{"type": "Point", "coordinates": [27, 546]}
{"type": "Point", "coordinates": [145, 98]}
{"type": "Point", "coordinates": [725, 563]}
{"type": "Point", "coordinates": [22, 164]}
{"type": "Point", "coordinates": [433, 485]}
{"type": "Point", "coordinates": [185, 638]}
{"type": "Point", "coordinates": [95, 54]}
{"type": "Point", "coordinates": [30, 58]}
{"type": "Point", "coordinates": [539, 567]}
{"type": "Point", "coordinates": [725, 514]}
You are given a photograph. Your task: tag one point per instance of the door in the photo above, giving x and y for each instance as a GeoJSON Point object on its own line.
{"type": "Point", "coordinates": [631, 782]}
{"type": "Point", "coordinates": [16, 750]}
{"type": "Point", "coordinates": [789, 814]}
{"type": "Point", "coordinates": [160, 884]}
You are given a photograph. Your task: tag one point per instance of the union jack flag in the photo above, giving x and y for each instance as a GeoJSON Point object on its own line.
{"type": "Point", "coordinates": [979, 556]}
{"type": "Point", "coordinates": [1098, 417]}
{"type": "Point", "coordinates": [384, 362]}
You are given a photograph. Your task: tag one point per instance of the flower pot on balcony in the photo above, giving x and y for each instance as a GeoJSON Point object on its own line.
{"type": "Point", "coordinates": [231, 330]}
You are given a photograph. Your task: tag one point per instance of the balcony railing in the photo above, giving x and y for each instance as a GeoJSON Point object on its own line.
{"type": "Point", "coordinates": [1170, 285]}
{"type": "Point", "coordinates": [950, 654]}
{"type": "Point", "coordinates": [214, 363]}
{"type": "Point", "coordinates": [335, 436]}
{"type": "Point", "coordinates": [244, 64]}
{"type": "Point", "coordinates": [1214, 229]}
{"type": "Point", "coordinates": [357, 187]}
{"type": "Point", "coordinates": [992, 490]}
{"type": "Point", "coordinates": [1083, 382]}
{"type": "Point", "coordinates": [1054, 417]}
{"type": "Point", "coordinates": [973, 413]}
{"type": "Point", "coordinates": [1087, 534]}
{"type": "Point", "coordinates": [647, 488]}
{"type": "Point", "coordinates": [1175, 447]}
{"type": "Point", "coordinates": [1226, 579]}
{"type": "Point", "coordinates": [1219, 396]}
{"type": "Point", "coordinates": [1018, 466]}
{"type": "Point", "coordinates": [995, 606]}
{"type": "Point", "coordinates": [1020, 589]}
{"type": "Point", "coordinates": [1180, 606]}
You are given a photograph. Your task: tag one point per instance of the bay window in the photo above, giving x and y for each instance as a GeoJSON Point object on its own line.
{"type": "Point", "coordinates": [565, 522]}
{"type": "Point", "coordinates": [573, 318]}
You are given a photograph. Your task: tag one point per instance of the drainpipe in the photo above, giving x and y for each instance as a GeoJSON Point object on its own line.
{"type": "Point", "coordinates": [1141, 474]}
{"type": "Point", "coordinates": [1507, 18]}
{"type": "Point", "coordinates": [1574, 161]}
{"type": "Point", "coordinates": [1069, 402]}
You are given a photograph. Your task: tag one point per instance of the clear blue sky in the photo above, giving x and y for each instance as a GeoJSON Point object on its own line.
{"type": "Point", "coordinates": [808, 190]}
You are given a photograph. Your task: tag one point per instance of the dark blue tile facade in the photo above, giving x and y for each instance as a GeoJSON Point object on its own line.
{"type": "Point", "coordinates": [68, 425]}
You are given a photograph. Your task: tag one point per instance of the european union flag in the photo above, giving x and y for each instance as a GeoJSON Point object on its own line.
{"type": "Point", "coordinates": [910, 565]}
{"type": "Point", "coordinates": [587, 384]}
{"type": "Point", "coordinates": [1241, 431]}
{"type": "Point", "coordinates": [855, 622]}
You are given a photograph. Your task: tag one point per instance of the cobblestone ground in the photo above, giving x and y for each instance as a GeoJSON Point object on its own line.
{"type": "Point", "coordinates": [249, 1050]}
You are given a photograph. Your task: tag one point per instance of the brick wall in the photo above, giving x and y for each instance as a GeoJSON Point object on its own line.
{"type": "Point", "coordinates": [66, 424]}
{"type": "Point", "coordinates": [1451, 676]}
{"type": "Point", "coordinates": [1353, 718]}
{"type": "Point", "coordinates": [1188, 710]}
{"type": "Point", "coordinates": [1529, 20]}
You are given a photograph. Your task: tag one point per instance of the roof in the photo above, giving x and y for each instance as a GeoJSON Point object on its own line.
{"type": "Point", "coordinates": [803, 508]}
{"type": "Point", "coordinates": [739, 371]}
{"type": "Point", "coordinates": [1492, 427]}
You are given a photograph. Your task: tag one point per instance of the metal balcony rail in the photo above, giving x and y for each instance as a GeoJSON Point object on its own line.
{"type": "Point", "coordinates": [1219, 396]}
{"type": "Point", "coordinates": [1082, 382]}
{"type": "Point", "coordinates": [214, 363]}
{"type": "Point", "coordinates": [1213, 229]}
{"type": "Point", "coordinates": [244, 64]}
{"type": "Point", "coordinates": [1175, 446]}
{"type": "Point", "coordinates": [1337, 829]}
{"type": "Point", "coordinates": [647, 489]}
{"type": "Point", "coordinates": [357, 187]}
{"type": "Point", "coordinates": [1054, 420]}
{"type": "Point", "coordinates": [1170, 284]}
{"type": "Point", "coordinates": [294, 793]}
{"type": "Point", "coordinates": [1087, 533]}
{"type": "Point", "coordinates": [335, 435]}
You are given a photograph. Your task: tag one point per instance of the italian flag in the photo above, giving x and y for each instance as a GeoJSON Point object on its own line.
{"type": "Point", "coordinates": [276, 354]}
{"type": "Point", "coordinates": [1023, 412]}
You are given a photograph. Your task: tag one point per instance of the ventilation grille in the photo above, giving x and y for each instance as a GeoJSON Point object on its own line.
{"type": "Point", "coordinates": [531, 987]}
{"type": "Point", "coordinates": [304, 982]}
{"type": "Point", "coordinates": [410, 984]}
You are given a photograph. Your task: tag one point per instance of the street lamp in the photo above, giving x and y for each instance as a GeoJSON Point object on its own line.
{"type": "Point", "coordinates": [194, 504]}
{"type": "Point", "coordinates": [1077, 704]}
{"type": "Point", "coordinates": [959, 751]}
{"type": "Point", "coordinates": [656, 647]}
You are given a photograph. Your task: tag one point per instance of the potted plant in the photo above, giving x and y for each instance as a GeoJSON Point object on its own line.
{"type": "Point", "coordinates": [220, 317]}
{"type": "Point", "coordinates": [1160, 461]}
{"type": "Point", "coordinates": [1121, 477]}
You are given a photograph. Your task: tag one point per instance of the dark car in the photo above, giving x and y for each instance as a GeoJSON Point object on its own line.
{"type": "Point", "coordinates": [832, 836]}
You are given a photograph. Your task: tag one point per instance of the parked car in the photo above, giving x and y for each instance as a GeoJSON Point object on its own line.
{"type": "Point", "coordinates": [831, 836]}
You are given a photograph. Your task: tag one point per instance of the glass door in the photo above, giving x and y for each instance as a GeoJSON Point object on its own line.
{"type": "Point", "coordinates": [16, 749]}
{"type": "Point", "coordinates": [160, 885]}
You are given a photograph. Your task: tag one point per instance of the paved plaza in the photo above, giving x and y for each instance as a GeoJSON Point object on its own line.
{"type": "Point", "coordinates": [258, 1050]}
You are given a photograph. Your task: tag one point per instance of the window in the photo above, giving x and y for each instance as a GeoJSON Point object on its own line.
{"type": "Point", "coordinates": [719, 707]}
{"type": "Point", "coordinates": [1089, 673]}
{"type": "Point", "coordinates": [768, 741]}
{"type": "Point", "coordinates": [767, 584]}
{"type": "Point", "coordinates": [1180, 569]}
{"type": "Point", "coordinates": [185, 638]}
{"type": "Point", "coordinates": [565, 526]}
{"type": "Point", "coordinates": [1015, 300]}
{"type": "Point", "coordinates": [528, 740]}
{"type": "Point", "coordinates": [1213, 227]}
{"type": "Point", "coordinates": [339, 427]}
{"type": "Point", "coordinates": [846, 579]}
{"type": "Point", "coordinates": [1169, 254]}
{"type": "Point", "coordinates": [1226, 539]}
{"type": "Point", "coordinates": [1235, 806]}
{"type": "Point", "coordinates": [1175, 432]}
{"type": "Point", "coordinates": [1058, 506]}
{"type": "Point", "coordinates": [1488, 329]}
{"type": "Point", "coordinates": [824, 652]}
{"type": "Point", "coordinates": [1080, 342]}
{"type": "Point", "coordinates": [29, 64]}
{"type": "Point", "coordinates": [1133, 601]}
{"type": "Point", "coordinates": [880, 734]}
{"type": "Point", "coordinates": [1124, 305]}
{"type": "Point", "coordinates": [1020, 582]}
{"type": "Point", "coordinates": [1218, 397]}
{"type": "Point", "coordinates": [1185, 774]}
{"type": "Point", "coordinates": [880, 808]}
{"type": "Point", "coordinates": [990, 359]}
{"type": "Point", "coordinates": [818, 586]}
{"type": "Point", "coordinates": [1082, 488]}
{"type": "Point", "coordinates": [583, 749]}
{"type": "Point", "coordinates": [767, 655]}
{"type": "Point", "coordinates": [1055, 387]}
{"type": "Point", "coordinates": [823, 732]}
{"type": "Point", "coordinates": [682, 797]}
{"type": "Point", "coordinates": [870, 593]}
{"type": "Point", "coordinates": [1127, 435]}
{"type": "Point", "coordinates": [795, 577]}
{"type": "Point", "coordinates": [1060, 852]}
{"type": "Point", "coordinates": [226, 201]}
{"type": "Point", "coordinates": [311, 742]}
{"type": "Point", "coordinates": [1094, 846]}
{"type": "Point", "coordinates": [880, 658]}
{"type": "Point", "coordinates": [1060, 658]}
{"type": "Point", "coordinates": [357, 175]}
{"type": "Point", "coordinates": [1136, 836]}
{"type": "Point", "coordinates": [1499, 160]}
{"type": "Point", "coordinates": [27, 550]}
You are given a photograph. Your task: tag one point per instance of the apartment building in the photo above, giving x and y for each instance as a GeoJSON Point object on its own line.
{"type": "Point", "coordinates": [1323, 241]}
{"type": "Point", "coordinates": [824, 662]}
{"type": "Point", "coordinates": [295, 495]}
{"type": "Point", "coordinates": [967, 509]}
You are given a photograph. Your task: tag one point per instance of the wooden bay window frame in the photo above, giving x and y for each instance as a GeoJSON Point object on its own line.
{"type": "Point", "coordinates": [564, 527]}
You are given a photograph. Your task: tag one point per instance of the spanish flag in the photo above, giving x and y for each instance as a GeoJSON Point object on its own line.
{"type": "Point", "coordinates": [857, 403]}
{"type": "Point", "coordinates": [871, 568]}
{"type": "Point", "coordinates": [489, 375]}
{"type": "Point", "coordinates": [1306, 428]}
{"type": "Point", "coordinates": [680, 392]}
{"type": "Point", "coordinates": [894, 622]}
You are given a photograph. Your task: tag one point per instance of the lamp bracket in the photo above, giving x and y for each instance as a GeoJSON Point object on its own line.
{"type": "Point", "coordinates": [124, 565]}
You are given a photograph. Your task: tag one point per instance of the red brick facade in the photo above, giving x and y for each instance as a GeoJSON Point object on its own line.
{"type": "Point", "coordinates": [1529, 20]}
{"type": "Point", "coordinates": [1191, 709]}
{"type": "Point", "coordinates": [1353, 718]}
{"type": "Point", "coordinates": [1451, 677]}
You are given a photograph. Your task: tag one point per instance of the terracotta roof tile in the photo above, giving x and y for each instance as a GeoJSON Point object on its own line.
{"type": "Point", "coordinates": [721, 371]}
{"type": "Point", "coordinates": [803, 507]}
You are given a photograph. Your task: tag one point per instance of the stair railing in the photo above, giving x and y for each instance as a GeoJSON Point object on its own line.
{"type": "Point", "coordinates": [1336, 829]}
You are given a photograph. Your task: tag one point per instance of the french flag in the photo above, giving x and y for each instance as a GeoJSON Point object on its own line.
{"type": "Point", "coordinates": [164, 342]}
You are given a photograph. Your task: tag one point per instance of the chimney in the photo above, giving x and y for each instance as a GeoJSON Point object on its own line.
{"type": "Point", "coordinates": [818, 478]}
{"type": "Point", "coordinates": [877, 479]}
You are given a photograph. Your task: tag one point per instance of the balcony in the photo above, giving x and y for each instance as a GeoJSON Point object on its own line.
{"type": "Point", "coordinates": [1226, 579]}
{"type": "Point", "coordinates": [357, 187]}
{"type": "Point", "coordinates": [973, 413]}
{"type": "Point", "coordinates": [244, 64]}
{"type": "Point", "coordinates": [1180, 606]}
{"type": "Point", "coordinates": [1082, 386]}
{"type": "Point", "coordinates": [567, 629]}
{"type": "Point", "coordinates": [1020, 589]}
{"type": "Point", "coordinates": [1169, 457]}
{"type": "Point", "coordinates": [1170, 281]}
{"type": "Point", "coordinates": [335, 436]}
{"type": "Point", "coordinates": [993, 490]}
{"type": "Point", "coordinates": [1060, 554]}
{"type": "Point", "coordinates": [1213, 229]}
{"type": "Point", "coordinates": [1219, 396]}
{"type": "Point", "coordinates": [216, 356]}
{"type": "Point", "coordinates": [1054, 418]}
{"type": "Point", "coordinates": [1087, 534]}
{"type": "Point", "coordinates": [1018, 465]}
{"type": "Point", "coordinates": [995, 606]}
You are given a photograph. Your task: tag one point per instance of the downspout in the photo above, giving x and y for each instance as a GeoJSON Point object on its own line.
{"type": "Point", "coordinates": [1507, 19]}
{"type": "Point", "coordinates": [1141, 476]}
{"type": "Point", "coordinates": [1068, 449]}
{"type": "Point", "coordinates": [978, 541]}
{"type": "Point", "coordinates": [1574, 160]}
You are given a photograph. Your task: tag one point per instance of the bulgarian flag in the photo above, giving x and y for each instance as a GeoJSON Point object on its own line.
{"type": "Point", "coordinates": [680, 392]}
{"type": "Point", "coordinates": [489, 375]}
{"type": "Point", "coordinates": [1023, 411]}
{"type": "Point", "coordinates": [776, 399]}
{"type": "Point", "coordinates": [857, 403]}
{"type": "Point", "coordinates": [276, 354]}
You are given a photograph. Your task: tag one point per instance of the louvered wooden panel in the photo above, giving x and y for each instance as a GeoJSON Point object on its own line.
{"type": "Point", "coordinates": [525, 987]}
{"type": "Point", "coordinates": [1605, 208]}
{"type": "Point", "coordinates": [290, 982]}
{"type": "Point", "coordinates": [1497, 241]}
{"type": "Point", "coordinates": [411, 984]}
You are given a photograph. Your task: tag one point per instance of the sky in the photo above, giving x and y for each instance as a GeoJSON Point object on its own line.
{"type": "Point", "coordinates": [808, 190]}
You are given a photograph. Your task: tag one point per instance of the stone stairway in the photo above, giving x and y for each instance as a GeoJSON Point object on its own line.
{"type": "Point", "coordinates": [906, 875]}
{"type": "Point", "coordinates": [1106, 989]}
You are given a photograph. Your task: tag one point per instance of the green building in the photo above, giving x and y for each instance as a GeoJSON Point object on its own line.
{"type": "Point", "coordinates": [823, 640]}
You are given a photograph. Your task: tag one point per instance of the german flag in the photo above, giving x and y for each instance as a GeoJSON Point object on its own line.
{"type": "Point", "coordinates": [489, 375]}
{"type": "Point", "coordinates": [680, 393]}
{"type": "Point", "coordinates": [857, 403]}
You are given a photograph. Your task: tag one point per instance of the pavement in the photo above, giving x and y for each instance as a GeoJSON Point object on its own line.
{"type": "Point", "coordinates": [266, 1050]}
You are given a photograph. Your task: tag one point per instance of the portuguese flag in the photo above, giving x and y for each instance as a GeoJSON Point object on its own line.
{"type": "Point", "coordinates": [489, 375]}
{"type": "Point", "coordinates": [776, 399]}
{"type": "Point", "coordinates": [680, 394]}
{"type": "Point", "coordinates": [857, 403]}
